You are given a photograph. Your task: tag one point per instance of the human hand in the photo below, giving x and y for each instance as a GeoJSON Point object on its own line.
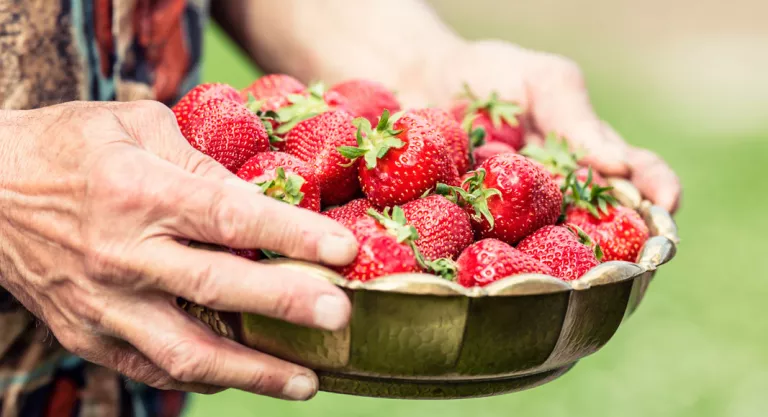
{"type": "Point", "coordinates": [552, 92]}
{"type": "Point", "coordinates": [96, 199]}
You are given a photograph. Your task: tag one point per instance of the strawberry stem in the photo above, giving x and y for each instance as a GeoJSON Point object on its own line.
{"type": "Point", "coordinates": [587, 195]}
{"type": "Point", "coordinates": [373, 143]}
{"type": "Point", "coordinates": [302, 107]}
{"type": "Point", "coordinates": [586, 240]}
{"type": "Point", "coordinates": [476, 195]}
{"type": "Point", "coordinates": [394, 221]}
{"type": "Point", "coordinates": [286, 188]}
{"type": "Point", "coordinates": [554, 155]}
{"type": "Point", "coordinates": [498, 110]}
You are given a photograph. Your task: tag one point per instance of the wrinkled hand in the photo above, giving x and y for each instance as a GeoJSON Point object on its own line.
{"type": "Point", "coordinates": [95, 199]}
{"type": "Point", "coordinates": [552, 91]}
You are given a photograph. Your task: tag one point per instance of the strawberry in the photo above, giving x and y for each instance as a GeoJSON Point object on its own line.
{"type": "Point", "coordinates": [455, 139]}
{"type": "Point", "coordinates": [558, 159]}
{"type": "Point", "coordinates": [227, 132]}
{"type": "Point", "coordinates": [316, 141]}
{"type": "Point", "coordinates": [283, 177]}
{"type": "Point", "coordinates": [402, 158]}
{"type": "Point", "coordinates": [365, 98]}
{"type": "Point", "coordinates": [443, 227]}
{"type": "Point", "coordinates": [508, 198]}
{"type": "Point", "coordinates": [497, 117]}
{"type": "Point", "coordinates": [385, 246]}
{"type": "Point", "coordinates": [200, 94]}
{"type": "Point", "coordinates": [483, 152]}
{"type": "Point", "coordinates": [620, 231]}
{"type": "Point", "coordinates": [350, 212]}
{"type": "Point", "coordinates": [273, 85]}
{"type": "Point", "coordinates": [564, 251]}
{"type": "Point", "coordinates": [250, 254]}
{"type": "Point", "coordinates": [490, 260]}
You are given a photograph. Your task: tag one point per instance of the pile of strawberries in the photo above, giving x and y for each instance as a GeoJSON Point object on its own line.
{"type": "Point", "coordinates": [454, 192]}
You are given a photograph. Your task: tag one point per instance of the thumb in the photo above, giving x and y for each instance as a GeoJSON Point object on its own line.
{"type": "Point", "coordinates": [560, 103]}
{"type": "Point", "coordinates": [154, 126]}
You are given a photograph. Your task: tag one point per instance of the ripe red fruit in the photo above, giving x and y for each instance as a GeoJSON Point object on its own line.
{"type": "Point", "coordinates": [562, 250]}
{"type": "Point", "coordinates": [455, 139]}
{"type": "Point", "coordinates": [483, 152]}
{"type": "Point", "coordinates": [365, 98]}
{"type": "Point", "coordinates": [200, 94]}
{"type": "Point", "coordinates": [283, 177]}
{"type": "Point", "coordinates": [508, 198]}
{"type": "Point", "coordinates": [443, 227]}
{"type": "Point", "coordinates": [384, 247]}
{"type": "Point", "coordinates": [401, 159]}
{"type": "Point", "coordinates": [350, 212]}
{"type": "Point", "coordinates": [497, 117]}
{"type": "Point", "coordinates": [273, 85]}
{"type": "Point", "coordinates": [316, 141]}
{"type": "Point", "coordinates": [227, 132]}
{"type": "Point", "coordinates": [490, 260]}
{"type": "Point", "coordinates": [620, 231]}
{"type": "Point", "coordinates": [250, 254]}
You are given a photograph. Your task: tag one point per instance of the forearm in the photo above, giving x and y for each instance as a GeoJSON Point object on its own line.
{"type": "Point", "coordinates": [395, 42]}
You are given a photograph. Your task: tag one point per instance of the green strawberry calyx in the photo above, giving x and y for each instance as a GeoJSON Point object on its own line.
{"type": "Point", "coordinates": [374, 143]}
{"type": "Point", "coordinates": [498, 110]}
{"type": "Point", "coordinates": [394, 221]}
{"type": "Point", "coordinates": [587, 195]}
{"type": "Point", "coordinates": [284, 187]}
{"type": "Point", "coordinates": [476, 195]}
{"type": "Point", "coordinates": [476, 134]}
{"type": "Point", "coordinates": [303, 107]}
{"type": "Point", "coordinates": [267, 118]}
{"type": "Point", "coordinates": [586, 240]}
{"type": "Point", "coordinates": [554, 155]}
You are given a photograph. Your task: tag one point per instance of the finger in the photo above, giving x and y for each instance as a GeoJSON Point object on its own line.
{"type": "Point", "coordinates": [230, 283]}
{"type": "Point", "coordinates": [655, 179]}
{"type": "Point", "coordinates": [118, 356]}
{"type": "Point", "coordinates": [154, 126]}
{"type": "Point", "coordinates": [191, 353]}
{"type": "Point", "coordinates": [234, 214]}
{"type": "Point", "coordinates": [560, 104]}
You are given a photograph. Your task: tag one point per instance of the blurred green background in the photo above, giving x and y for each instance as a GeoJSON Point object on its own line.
{"type": "Point", "coordinates": [688, 80]}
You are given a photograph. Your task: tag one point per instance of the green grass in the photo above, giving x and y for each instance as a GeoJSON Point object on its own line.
{"type": "Point", "coordinates": [696, 347]}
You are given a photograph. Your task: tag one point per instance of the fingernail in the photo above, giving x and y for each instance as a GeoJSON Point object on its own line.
{"type": "Point", "coordinates": [337, 249]}
{"type": "Point", "coordinates": [300, 388]}
{"type": "Point", "coordinates": [331, 312]}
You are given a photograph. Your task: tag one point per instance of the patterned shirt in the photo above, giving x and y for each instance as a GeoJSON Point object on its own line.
{"type": "Point", "coordinates": [53, 51]}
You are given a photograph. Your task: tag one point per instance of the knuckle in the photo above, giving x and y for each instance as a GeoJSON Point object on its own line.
{"type": "Point", "coordinates": [182, 362]}
{"type": "Point", "coordinates": [151, 109]}
{"type": "Point", "coordinates": [224, 215]}
{"type": "Point", "coordinates": [204, 286]}
{"type": "Point", "coordinates": [115, 182]}
{"type": "Point", "coordinates": [102, 262]}
{"type": "Point", "coordinates": [563, 70]}
{"type": "Point", "coordinates": [285, 305]}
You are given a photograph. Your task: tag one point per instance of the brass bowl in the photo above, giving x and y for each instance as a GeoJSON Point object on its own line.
{"type": "Point", "coordinates": [419, 336]}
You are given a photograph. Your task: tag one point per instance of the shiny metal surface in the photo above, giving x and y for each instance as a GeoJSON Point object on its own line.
{"type": "Point", "coordinates": [420, 336]}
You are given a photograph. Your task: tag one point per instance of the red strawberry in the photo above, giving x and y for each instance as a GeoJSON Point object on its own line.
{"type": "Point", "coordinates": [620, 231]}
{"type": "Point", "coordinates": [316, 142]}
{"type": "Point", "coordinates": [483, 152]}
{"type": "Point", "coordinates": [273, 85]}
{"type": "Point", "coordinates": [562, 250]}
{"type": "Point", "coordinates": [402, 158]}
{"type": "Point", "coordinates": [490, 260]}
{"type": "Point", "coordinates": [384, 247]}
{"type": "Point", "coordinates": [199, 95]}
{"type": "Point", "coordinates": [509, 197]}
{"type": "Point", "coordinates": [444, 228]}
{"type": "Point", "coordinates": [227, 132]}
{"type": "Point", "coordinates": [498, 118]}
{"type": "Point", "coordinates": [250, 254]}
{"type": "Point", "coordinates": [350, 212]}
{"type": "Point", "coordinates": [364, 98]}
{"type": "Point", "coordinates": [456, 140]}
{"type": "Point", "coordinates": [283, 177]}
